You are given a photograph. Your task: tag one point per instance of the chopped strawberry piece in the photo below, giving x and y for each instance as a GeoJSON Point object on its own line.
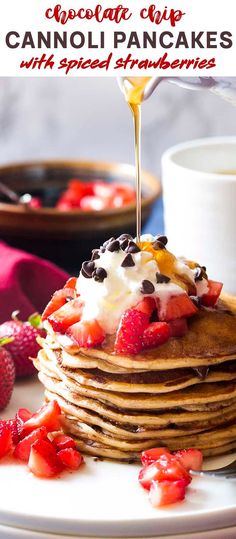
{"type": "Point", "coordinates": [86, 333]}
{"type": "Point", "coordinates": [43, 459]}
{"type": "Point", "coordinates": [70, 458]}
{"type": "Point", "coordinates": [146, 306]}
{"type": "Point", "coordinates": [167, 492]}
{"type": "Point", "coordinates": [59, 299]}
{"type": "Point", "coordinates": [71, 283]}
{"type": "Point", "coordinates": [92, 203]}
{"type": "Point", "coordinates": [130, 332]}
{"type": "Point", "coordinates": [178, 327]}
{"type": "Point", "coordinates": [48, 416]}
{"type": "Point", "coordinates": [63, 442]}
{"type": "Point", "coordinates": [79, 189]}
{"type": "Point", "coordinates": [157, 333]}
{"type": "Point", "coordinates": [11, 424]}
{"type": "Point", "coordinates": [191, 459]}
{"type": "Point", "coordinates": [179, 306]}
{"type": "Point", "coordinates": [151, 455]}
{"type": "Point", "coordinates": [22, 450]}
{"type": "Point", "coordinates": [5, 440]}
{"type": "Point", "coordinates": [67, 315]}
{"type": "Point", "coordinates": [214, 290]}
{"type": "Point", "coordinates": [166, 468]}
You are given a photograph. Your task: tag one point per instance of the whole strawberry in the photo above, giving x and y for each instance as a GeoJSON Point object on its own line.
{"type": "Point", "coordinates": [7, 374]}
{"type": "Point", "coordinates": [23, 345]}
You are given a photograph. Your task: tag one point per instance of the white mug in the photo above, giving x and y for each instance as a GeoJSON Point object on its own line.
{"type": "Point", "coordinates": [199, 192]}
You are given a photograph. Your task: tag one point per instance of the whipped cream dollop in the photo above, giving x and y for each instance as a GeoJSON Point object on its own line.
{"type": "Point", "coordinates": [122, 285]}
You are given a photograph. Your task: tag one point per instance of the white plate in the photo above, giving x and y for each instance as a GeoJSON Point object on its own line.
{"type": "Point", "coordinates": [104, 498]}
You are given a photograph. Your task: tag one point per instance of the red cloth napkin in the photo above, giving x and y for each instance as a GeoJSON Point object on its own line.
{"type": "Point", "coordinates": [26, 282]}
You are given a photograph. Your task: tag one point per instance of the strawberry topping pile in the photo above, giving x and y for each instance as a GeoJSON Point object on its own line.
{"type": "Point", "coordinates": [95, 196]}
{"type": "Point", "coordinates": [167, 475]}
{"type": "Point", "coordinates": [162, 302]}
{"type": "Point", "coordinates": [37, 440]}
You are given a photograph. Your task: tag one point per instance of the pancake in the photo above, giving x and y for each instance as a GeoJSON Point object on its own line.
{"type": "Point", "coordinates": [174, 417]}
{"type": "Point", "coordinates": [181, 394]}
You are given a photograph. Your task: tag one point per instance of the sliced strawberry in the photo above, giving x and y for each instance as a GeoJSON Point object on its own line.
{"type": "Point", "coordinates": [67, 315]}
{"type": "Point", "coordinates": [167, 492]}
{"type": "Point", "coordinates": [191, 459]}
{"type": "Point", "coordinates": [59, 299]}
{"type": "Point", "coordinates": [43, 460]}
{"type": "Point", "coordinates": [146, 306]}
{"type": "Point", "coordinates": [179, 306]}
{"type": "Point", "coordinates": [130, 332]}
{"type": "Point", "coordinates": [71, 283]}
{"type": "Point", "coordinates": [80, 189]}
{"type": "Point", "coordinates": [151, 455]}
{"type": "Point", "coordinates": [70, 458]}
{"type": "Point", "coordinates": [92, 203]}
{"type": "Point", "coordinates": [48, 416]}
{"type": "Point", "coordinates": [22, 450]}
{"type": "Point", "coordinates": [157, 333]}
{"type": "Point", "coordinates": [214, 290]}
{"type": "Point", "coordinates": [5, 440]}
{"type": "Point", "coordinates": [166, 468]}
{"type": "Point", "coordinates": [178, 327]}
{"type": "Point", "coordinates": [11, 424]}
{"type": "Point", "coordinates": [63, 442]}
{"type": "Point", "coordinates": [86, 333]}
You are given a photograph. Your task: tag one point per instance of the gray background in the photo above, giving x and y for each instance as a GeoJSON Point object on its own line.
{"type": "Point", "coordinates": [88, 118]}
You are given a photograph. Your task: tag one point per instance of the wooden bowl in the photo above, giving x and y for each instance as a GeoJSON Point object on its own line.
{"type": "Point", "coordinates": [67, 238]}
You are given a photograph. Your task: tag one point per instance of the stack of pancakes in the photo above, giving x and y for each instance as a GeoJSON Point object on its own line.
{"type": "Point", "coordinates": [181, 394]}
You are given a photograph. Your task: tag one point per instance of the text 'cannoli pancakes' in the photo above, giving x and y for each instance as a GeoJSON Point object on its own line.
{"type": "Point", "coordinates": [140, 352]}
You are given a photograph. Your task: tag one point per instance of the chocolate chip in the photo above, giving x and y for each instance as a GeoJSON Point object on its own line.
{"type": "Point", "coordinates": [102, 249]}
{"type": "Point", "coordinates": [125, 237]}
{"type": "Point", "coordinates": [147, 287]}
{"type": "Point", "coordinates": [124, 244]}
{"type": "Point", "coordinates": [132, 247]}
{"type": "Point", "coordinates": [198, 274]}
{"type": "Point", "coordinates": [160, 278]}
{"type": "Point", "coordinates": [128, 262]}
{"type": "Point", "coordinates": [113, 246]}
{"type": "Point", "coordinates": [87, 268]}
{"type": "Point", "coordinates": [162, 239]}
{"type": "Point", "coordinates": [95, 254]}
{"type": "Point", "coordinates": [99, 274]}
{"type": "Point", "coordinates": [196, 300]}
{"type": "Point", "coordinates": [106, 243]}
{"type": "Point", "coordinates": [158, 245]}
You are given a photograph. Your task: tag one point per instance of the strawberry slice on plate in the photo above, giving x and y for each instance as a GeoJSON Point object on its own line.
{"type": "Point", "coordinates": [180, 306]}
{"type": "Point", "coordinates": [70, 458]}
{"type": "Point", "coordinates": [5, 440]}
{"type": "Point", "coordinates": [43, 459]}
{"type": "Point", "coordinates": [67, 315]}
{"type": "Point", "coordinates": [86, 333]}
{"type": "Point", "coordinates": [166, 468]}
{"type": "Point", "coordinates": [59, 298]}
{"type": "Point", "coordinates": [151, 455]}
{"type": "Point", "coordinates": [214, 290]}
{"type": "Point", "coordinates": [22, 450]}
{"type": "Point", "coordinates": [130, 332]}
{"type": "Point", "coordinates": [191, 459]}
{"type": "Point", "coordinates": [48, 416]}
{"type": "Point", "coordinates": [61, 441]}
{"type": "Point", "coordinates": [167, 492]}
{"type": "Point", "coordinates": [155, 334]}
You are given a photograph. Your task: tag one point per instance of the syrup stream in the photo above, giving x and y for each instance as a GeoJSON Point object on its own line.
{"type": "Point", "coordinates": [136, 111]}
